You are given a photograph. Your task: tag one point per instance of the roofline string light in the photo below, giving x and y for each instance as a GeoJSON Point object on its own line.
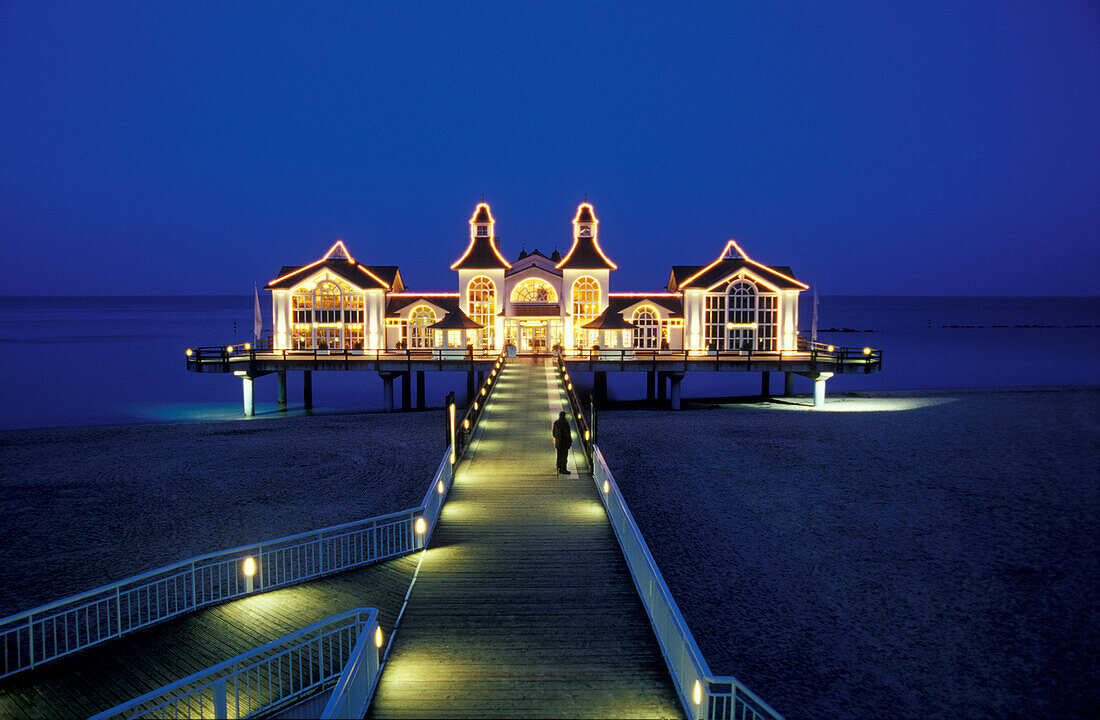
{"type": "Point", "coordinates": [725, 256]}
{"type": "Point", "coordinates": [594, 238]}
{"type": "Point", "coordinates": [474, 238]}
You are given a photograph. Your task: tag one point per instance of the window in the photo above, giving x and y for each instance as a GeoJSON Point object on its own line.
{"type": "Point", "coordinates": [586, 308]}
{"type": "Point", "coordinates": [302, 337]}
{"type": "Point", "coordinates": [645, 328]}
{"type": "Point", "coordinates": [481, 304]}
{"type": "Point", "coordinates": [419, 320]}
{"type": "Point", "coordinates": [327, 304]}
{"type": "Point", "coordinates": [301, 304]}
{"type": "Point", "coordinates": [534, 290]}
{"type": "Point", "coordinates": [742, 313]}
{"type": "Point", "coordinates": [767, 319]}
{"type": "Point", "coordinates": [714, 321]}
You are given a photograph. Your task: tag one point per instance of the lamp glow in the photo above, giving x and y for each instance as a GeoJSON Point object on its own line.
{"type": "Point", "coordinates": [587, 435]}
{"type": "Point", "coordinates": [466, 424]}
{"type": "Point", "coordinates": [569, 386]}
{"type": "Point", "coordinates": [249, 567]}
{"type": "Point", "coordinates": [482, 391]}
{"type": "Point", "coordinates": [378, 636]}
{"type": "Point", "coordinates": [229, 348]}
{"type": "Point", "coordinates": [866, 351]}
{"type": "Point", "coordinates": [421, 526]}
{"type": "Point", "coordinates": [697, 693]}
{"type": "Point", "coordinates": [190, 352]}
{"type": "Point", "coordinates": [248, 346]}
{"type": "Point", "coordinates": [606, 487]}
{"type": "Point", "coordinates": [831, 348]}
{"type": "Point", "coordinates": [475, 405]}
{"type": "Point", "coordinates": [439, 487]}
{"type": "Point", "coordinates": [729, 326]}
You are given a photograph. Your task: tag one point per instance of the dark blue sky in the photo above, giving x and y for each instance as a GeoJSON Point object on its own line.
{"type": "Point", "coordinates": [933, 148]}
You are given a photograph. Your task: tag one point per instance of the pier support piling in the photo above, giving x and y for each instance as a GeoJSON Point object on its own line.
{"type": "Point", "coordinates": [819, 388]}
{"type": "Point", "coordinates": [307, 388]}
{"type": "Point", "coordinates": [249, 396]}
{"type": "Point", "coordinates": [419, 389]}
{"type": "Point", "coordinates": [406, 391]}
{"type": "Point", "coordinates": [765, 384]}
{"type": "Point", "coordinates": [599, 386]}
{"type": "Point", "coordinates": [281, 375]}
{"type": "Point", "coordinates": [661, 388]}
{"type": "Point", "coordinates": [788, 384]}
{"type": "Point", "coordinates": [674, 393]}
{"type": "Point", "coordinates": [387, 390]}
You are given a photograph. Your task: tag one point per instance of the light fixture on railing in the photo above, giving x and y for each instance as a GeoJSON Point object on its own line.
{"type": "Point", "coordinates": [248, 567]}
{"type": "Point", "coordinates": [606, 487]}
{"type": "Point", "coordinates": [229, 348]}
{"type": "Point", "coordinates": [831, 348]}
{"type": "Point", "coordinates": [866, 351]}
{"type": "Point", "coordinates": [569, 387]}
{"type": "Point", "coordinates": [697, 693]}
{"type": "Point", "coordinates": [378, 637]}
{"type": "Point", "coordinates": [482, 391]}
{"type": "Point", "coordinates": [190, 352]}
{"type": "Point", "coordinates": [475, 405]}
{"type": "Point", "coordinates": [466, 424]}
{"type": "Point", "coordinates": [439, 487]}
{"type": "Point", "coordinates": [421, 526]}
{"type": "Point", "coordinates": [587, 435]}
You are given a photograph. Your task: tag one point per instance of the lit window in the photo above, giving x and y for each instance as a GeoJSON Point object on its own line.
{"type": "Point", "coordinates": [586, 308]}
{"type": "Point", "coordinates": [481, 298]}
{"type": "Point", "coordinates": [419, 319]}
{"type": "Point", "coordinates": [645, 328]}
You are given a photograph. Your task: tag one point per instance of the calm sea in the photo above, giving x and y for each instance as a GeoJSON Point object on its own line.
{"type": "Point", "coordinates": [98, 360]}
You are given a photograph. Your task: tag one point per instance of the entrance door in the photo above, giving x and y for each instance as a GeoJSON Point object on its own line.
{"type": "Point", "coordinates": [532, 338]}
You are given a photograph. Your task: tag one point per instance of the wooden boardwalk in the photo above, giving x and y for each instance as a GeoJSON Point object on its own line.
{"type": "Point", "coordinates": [524, 606]}
{"type": "Point", "coordinates": [100, 678]}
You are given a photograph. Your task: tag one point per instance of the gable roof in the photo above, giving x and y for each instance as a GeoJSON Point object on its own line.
{"type": "Point", "coordinates": [732, 259]}
{"type": "Point", "coordinates": [609, 319]}
{"type": "Point", "coordinates": [448, 302]}
{"type": "Point", "coordinates": [674, 304]}
{"type": "Point", "coordinates": [340, 262]}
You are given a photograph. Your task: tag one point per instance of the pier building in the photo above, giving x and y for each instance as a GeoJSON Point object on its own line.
{"type": "Point", "coordinates": [342, 312]}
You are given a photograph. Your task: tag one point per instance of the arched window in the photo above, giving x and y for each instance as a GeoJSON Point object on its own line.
{"type": "Point", "coordinates": [419, 320]}
{"type": "Point", "coordinates": [327, 315]}
{"type": "Point", "coordinates": [742, 316]}
{"type": "Point", "coordinates": [481, 303]}
{"type": "Point", "coordinates": [586, 307]}
{"type": "Point", "coordinates": [646, 327]}
{"type": "Point", "coordinates": [534, 290]}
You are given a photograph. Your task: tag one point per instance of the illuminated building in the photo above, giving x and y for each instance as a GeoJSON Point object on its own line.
{"type": "Point", "coordinates": [536, 302]}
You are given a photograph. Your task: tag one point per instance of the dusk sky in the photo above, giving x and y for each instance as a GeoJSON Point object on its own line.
{"type": "Point", "coordinates": [933, 148]}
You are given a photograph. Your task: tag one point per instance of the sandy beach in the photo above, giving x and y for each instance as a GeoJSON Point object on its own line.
{"type": "Point", "coordinates": [81, 507]}
{"type": "Point", "coordinates": [908, 555]}
{"type": "Point", "coordinates": [899, 555]}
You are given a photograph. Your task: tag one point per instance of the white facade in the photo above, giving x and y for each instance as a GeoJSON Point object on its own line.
{"type": "Point", "coordinates": [732, 304]}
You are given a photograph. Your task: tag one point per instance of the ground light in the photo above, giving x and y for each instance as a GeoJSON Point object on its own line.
{"type": "Point", "coordinates": [421, 526]}
{"type": "Point", "coordinates": [378, 636]}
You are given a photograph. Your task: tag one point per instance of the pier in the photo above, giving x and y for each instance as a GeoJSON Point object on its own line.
{"type": "Point", "coordinates": [509, 591]}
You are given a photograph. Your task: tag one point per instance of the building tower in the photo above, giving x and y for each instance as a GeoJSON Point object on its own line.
{"type": "Point", "coordinates": [481, 279]}
{"type": "Point", "coordinates": [585, 279]}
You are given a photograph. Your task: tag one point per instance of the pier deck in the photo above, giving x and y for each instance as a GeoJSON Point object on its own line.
{"type": "Point", "coordinates": [524, 606]}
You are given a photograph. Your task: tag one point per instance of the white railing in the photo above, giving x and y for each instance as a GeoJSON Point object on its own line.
{"type": "Point", "coordinates": [702, 694]}
{"type": "Point", "coordinates": [66, 626]}
{"type": "Point", "coordinates": [353, 691]}
{"type": "Point", "coordinates": [271, 676]}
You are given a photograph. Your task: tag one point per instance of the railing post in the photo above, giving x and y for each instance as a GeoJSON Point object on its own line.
{"type": "Point", "coordinates": [221, 709]}
{"type": "Point", "coordinates": [118, 610]}
{"type": "Point", "coordinates": [30, 637]}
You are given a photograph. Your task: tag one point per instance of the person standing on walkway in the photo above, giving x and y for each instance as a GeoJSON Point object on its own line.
{"type": "Point", "coordinates": [563, 440]}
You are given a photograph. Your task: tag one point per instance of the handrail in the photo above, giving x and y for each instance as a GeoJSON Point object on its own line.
{"type": "Point", "coordinates": [355, 686]}
{"type": "Point", "coordinates": [465, 426]}
{"type": "Point", "coordinates": [249, 352]}
{"type": "Point", "coordinates": [253, 682]}
{"type": "Point", "coordinates": [62, 627]}
{"type": "Point", "coordinates": [812, 351]}
{"type": "Point", "coordinates": [702, 694]}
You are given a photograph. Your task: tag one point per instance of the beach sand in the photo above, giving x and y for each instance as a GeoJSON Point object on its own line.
{"type": "Point", "coordinates": [898, 555]}
{"type": "Point", "coordinates": [82, 507]}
